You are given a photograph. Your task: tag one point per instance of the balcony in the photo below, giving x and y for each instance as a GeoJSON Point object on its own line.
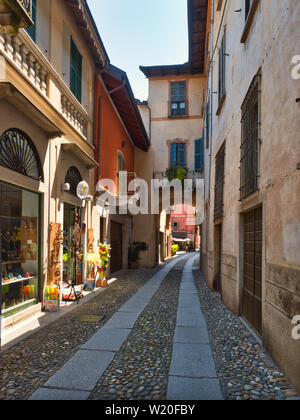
{"type": "Point", "coordinates": [15, 14]}
{"type": "Point", "coordinates": [25, 57]}
{"type": "Point", "coordinates": [192, 175]}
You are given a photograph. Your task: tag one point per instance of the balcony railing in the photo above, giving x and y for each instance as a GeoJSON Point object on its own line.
{"type": "Point", "coordinates": [16, 13]}
{"type": "Point", "coordinates": [192, 175]}
{"type": "Point", "coordinates": [27, 59]}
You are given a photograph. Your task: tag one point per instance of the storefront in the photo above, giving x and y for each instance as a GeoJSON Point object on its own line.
{"type": "Point", "coordinates": [20, 227]}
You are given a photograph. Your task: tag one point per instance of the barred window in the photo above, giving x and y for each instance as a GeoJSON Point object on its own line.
{"type": "Point", "coordinates": [250, 139]}
{"type": "Point", "coordinates": [219, 183]}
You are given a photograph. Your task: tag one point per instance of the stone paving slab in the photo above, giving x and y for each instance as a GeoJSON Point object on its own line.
{"type": "Point", "coordinates": [122, 320]}
{"type": "Point", "coordinates": [191, 335]}
{"type": "Point", "coordinates": [190, 317]}
{"type": "Point", "coordinates": [55, 394]}
{"type": "Point", "coordinates": [189, 301]}
{"type": "Point", "coordinates": [192, 360]}
{"type": "Point", "coordinates": [187, 389]}
{"type": "Point", "coordinates": [82, 371]}
{"type": "Point", "coordinates": [135, 304]}
{"type": "Point", "coordinates": [107, 339]}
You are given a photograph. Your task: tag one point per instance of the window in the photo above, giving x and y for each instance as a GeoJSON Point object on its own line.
{"type": "Point", "coordinates": [222, 69]}
{"type": "Point", "coordinates": [18, 153]}
{"type": "Point", "coordinates": [73, 178]}
{"type": "Point", "coordinates": [250, 139]}
{"type": "Point", "coordinates": [219, 183]}
{"type": "Point", "coordinates": [175, 225]}
{"type": "Point", "coordinates": [178, 99]}
{"type": "Point", "coordinates": [199, 155]}
{"type": "Point", "coordinates": [32, 30]}
{"type": "Point", "coordinates": [178, 154]}
{"type": "Point", "coordinates": [75, 71]}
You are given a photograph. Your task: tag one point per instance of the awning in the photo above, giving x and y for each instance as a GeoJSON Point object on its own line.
{"type": "Point", "coordinates": [182, 240]}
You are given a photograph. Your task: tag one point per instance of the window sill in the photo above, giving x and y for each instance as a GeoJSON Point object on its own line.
{"type": "Point", "coordinates": [249, 21]}
{"type": "Point", "coordinates": [178, 116]}
{"type": "Point", "coordinates": [221, 104]}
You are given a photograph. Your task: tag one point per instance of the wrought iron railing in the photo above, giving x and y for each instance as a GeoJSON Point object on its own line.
{"type": "Point", "coordinates": [27, 6]}
{"type": "Point", "coordinates": [192, 175]}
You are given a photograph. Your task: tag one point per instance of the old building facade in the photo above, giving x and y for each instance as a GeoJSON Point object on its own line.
{"type": "Point", "coordinates": [46, 130]}
{"type": "Point", "coordinates": [250, 236]}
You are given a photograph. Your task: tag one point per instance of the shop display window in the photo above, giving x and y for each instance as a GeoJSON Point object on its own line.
{"type": "Point", "coordinates": [19, 244]}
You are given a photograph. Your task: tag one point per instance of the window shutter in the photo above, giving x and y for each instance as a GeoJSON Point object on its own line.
{"type": "Point", "coordinates": [222, 67]}
{"type": "Point", "coordinates": [32, 29]}
{"type": "Point", "coordinates": [181, 155]}
{"type": "Point", "coordinates": [173, 154]}
{"type": "Point", "coordinates": [199, 155]}
{"type": "Point", "coordinates": [75, 71]}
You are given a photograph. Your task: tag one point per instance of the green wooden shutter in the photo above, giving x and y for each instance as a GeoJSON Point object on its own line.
{"type": "Point", "coordinates": [173, 154]}
{"type": "Point", "coordinates": [181, 154]}
{"type": "Point", "coordinates": [75, 71]}
{"type": "Point", "coordinates": [199, 155]}
{"type": "Point", "coordinates": [32, 29]}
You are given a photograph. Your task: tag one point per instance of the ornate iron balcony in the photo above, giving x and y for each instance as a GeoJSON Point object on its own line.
{"type": "Point", "coordinates": [15, 14]}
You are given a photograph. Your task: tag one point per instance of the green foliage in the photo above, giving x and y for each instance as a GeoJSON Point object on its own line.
{"type": "Point", "coordinates": [174, 249]}
{"type": "Point", "coordinates": [176, 172]}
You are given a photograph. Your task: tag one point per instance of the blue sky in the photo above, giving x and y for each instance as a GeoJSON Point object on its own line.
{"type": "Point", "coordinates": [142, 32]}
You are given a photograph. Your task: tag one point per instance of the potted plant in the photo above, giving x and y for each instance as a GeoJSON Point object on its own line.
{"type": "Point", "coordinates": [134, 253]}
{"type": "Point", "coordinates": [174, 250]}
{"type": "Point", "coordinates": [176, 172]}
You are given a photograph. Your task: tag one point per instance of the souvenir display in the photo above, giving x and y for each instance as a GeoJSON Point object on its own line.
{"type": "Point", "coordinates": [19, 210]}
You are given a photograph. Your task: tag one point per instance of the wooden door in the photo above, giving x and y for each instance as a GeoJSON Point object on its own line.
{"type": "Point", "coordinates": [252, 291]}
{"type": "Point", "coordinates": [116, 240]}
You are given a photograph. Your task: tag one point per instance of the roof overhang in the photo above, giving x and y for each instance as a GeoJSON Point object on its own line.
{"type": "Point", "coordinates": [88, 29]}
{"type": "Point", "coordinates": [81, 154]}
{"type": "Point", "coordinates": [197, 28]}
{"type": "Point", "coordinates": [126, 105]}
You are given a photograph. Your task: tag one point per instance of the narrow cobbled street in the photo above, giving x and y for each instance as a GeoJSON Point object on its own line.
{"type": "Point", "coordinates": [164, 335]}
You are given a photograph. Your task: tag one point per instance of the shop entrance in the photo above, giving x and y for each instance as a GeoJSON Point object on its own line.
{"type": "Point", "coordinates": [68, 255]}
{"type": "Point", "coordinates": [116, 241]}
{"type": "Point", "coordinates": [20, 248]}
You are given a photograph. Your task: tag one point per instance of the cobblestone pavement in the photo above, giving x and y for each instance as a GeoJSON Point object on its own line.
{"type": "Point", "coordinates": [26, 366]}
{"type": "Point", "coordinates": [140, 369]}
{"type": "Point", "coordinates": [245, 370]}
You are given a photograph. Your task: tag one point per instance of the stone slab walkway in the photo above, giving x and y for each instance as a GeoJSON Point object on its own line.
{"type": "Point", "coordinates": [79, 376]}
{"type": "Point", "coordinates": [192, 374]}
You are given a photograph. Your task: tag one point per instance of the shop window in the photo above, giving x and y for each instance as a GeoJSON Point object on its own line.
{"type": "Point", "coordinates": [73, 178]}
{"type": "Point", "coordinates": [19, 244]}
{"type": "Point", "coordinates": [17, 152]}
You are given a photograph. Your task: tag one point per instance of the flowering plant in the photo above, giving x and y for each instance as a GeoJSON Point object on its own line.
{"type": "Point", "coordinates": [104, 254]}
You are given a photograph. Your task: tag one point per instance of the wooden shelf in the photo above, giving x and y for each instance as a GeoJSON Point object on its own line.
{"type": "Point", "coordinates": [13, 262]}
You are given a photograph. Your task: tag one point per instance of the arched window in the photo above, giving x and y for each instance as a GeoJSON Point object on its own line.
{"type": "Point", "coordinates": [17, 152]}
{"type": "Point", "coordinates": [73, 178]}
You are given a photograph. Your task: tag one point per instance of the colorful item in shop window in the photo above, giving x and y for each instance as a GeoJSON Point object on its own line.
{"type": "Point", "coordinates": [51, 293]}
{"type": "Point", "coordinates": [51, 305]}
{"type": "Point", "coordinates": [29, 291]}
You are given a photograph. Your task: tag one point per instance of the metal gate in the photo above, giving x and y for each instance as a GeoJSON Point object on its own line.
{"type": "Point", "coordinates": [252, 291]}
{"type": "Point", "coordinates": [116, 241]}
